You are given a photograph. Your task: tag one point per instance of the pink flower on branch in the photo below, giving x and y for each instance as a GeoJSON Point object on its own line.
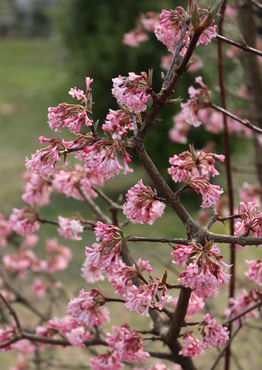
{"type": "Point", "coordinates": [192, 346]}
{"type": "Point", "coordinates": [85, 309]}
{"type": "Point", "coordinates": [70, 227]}
{"type": "Point", "coordinates": [239, 304]}
{"type": "Point", "coordinates": [5, 229]}
{"type": "Point", "coordinates": [72, 115]}
{"type": "Point", "coordinates": [143, 296]}
{"type": "Point", "coordinates": [91, 273]}
{"type": "Point", "coordinates": [142, 205]}
{"type": "Point", "coordinates": [118, 122]}
{"type": "Point", "coordinates": [107, 361]}
{"type": "Point", "coordinates": [195, 304]}
{"type": "Point", "coordinates": [128, 344]}
{"type": "Point", "coordinates": [36, 190]}
{"type": "Point", "coordinates": [5, 335]}
{"type": "Point", "coordinates": [251, 220]}
{"type": "Point", "coordinates": [131, 91]}
{"type": "Point", "coordinates": [44, 160]}
{"type": "Point", "coordinates": [78, 335]}
{"type": "Point", "coordinates": [134, 37]}
{"type": "Point", "coordinates": [254, 272]}
{"type": "Point", "coordinates": [105, 254]}
{"type": "Point", "coordinates": [24, 221]}
{"type": "Point", "coordinates": [202, 271]}
{"type": "Point", "coordinates": [213, 335]}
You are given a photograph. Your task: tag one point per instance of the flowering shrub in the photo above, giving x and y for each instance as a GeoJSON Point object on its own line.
{"type": "Point", "coordinates": [169, 304]}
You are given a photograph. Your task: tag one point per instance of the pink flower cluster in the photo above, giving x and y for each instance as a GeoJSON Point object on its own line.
{"type": "Point", "coordinates": [239, 304]}
{"type": "Point", "coordinates": [128, 344]}
{"type": "Point", "coordinates": [39, 287]}
{"type": "Point", "coordinates": [202, 271]}
{"type": "Point", "coordinates": [102, 159]}
{"type": "Point", "coordinates": [91, 273]}
{"type": "Point", "coordinates": [192, 345]}
{"type": "Point", "coordinates": [85, 309]}
{"type": "Point", "coordinates": [142, 206]}
{"type": "Point", "coordinates": [194, 169]}
{"type": "Point", "coordinates": [106, 361]}
{"type": "Point", "coordinates": [72, 115]}
{"type": "Point", "coordinates": [131, 91]}
{"type": "Point", "coordinates": [44, 160]}
{"type": "Point", "coordinates": [254, 272]}
{"type": "Point", "coordinates": [195, 304]}
{"type": "Point", "coordinates": [36, 190]}
{"type": "Point", "coordinates": [118, 122]}
{"type": "Point", "coordinates": [24, 221]}
{"type": "Point", "coordinates": [67, 182]}
{"type": "Point", "coordinates": [170, 27]}
{"type": "Point", "coordinates": [143, 296]}
{"type": "Point", "coordinates": [5, 229]}
{"type": "Point", "coordinates": [5, 335]}
{"type": "Point", "coordinates": [70, 227]}
{"type": "Point", "coordinates": [251, 220]}
{"type": "Point", "coordinates": [105, 254]}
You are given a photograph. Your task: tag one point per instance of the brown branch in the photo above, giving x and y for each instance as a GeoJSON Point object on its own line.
{"type": "Point", "coordinates": [244, 122]}
{"type": "Point", "coordinates": [159, 240]}
{"type": "Point", "coordinates": [229, 321]}
{"type": "Point", "coordinates": [12, 312]}
{"type": "Point", "coordinates": [238, 45]}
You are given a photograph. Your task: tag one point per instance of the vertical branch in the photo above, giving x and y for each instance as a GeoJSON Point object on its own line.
{"type": "Point", "coordinates": [228, 164]}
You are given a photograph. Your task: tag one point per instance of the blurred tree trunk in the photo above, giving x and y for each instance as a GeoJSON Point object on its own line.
{"type": "Point", "coordinates": [250, 64]}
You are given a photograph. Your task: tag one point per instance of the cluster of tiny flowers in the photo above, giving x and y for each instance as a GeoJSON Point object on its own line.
{"type": "Point", "coordinates": [105, 254]}
{"type": "Point", "coordinates": [187, 161]}
{"type": "Point", "coordinates": [24, 221]}
{"type": "Point", "coordinates": [68, 182]}
{"type": "Point", "coordinates": [36, 190]}
{"type": "Point", "coordinates": [117, 124]}
{"type": "Point", "coordinates": [142, 206]}
{"type": "Point", "coordinates": [107, 361]}
{"type": "Point", "coordinates": [251, 221]}
{"type": "Point", "coordinates": [239, 304]}
{"type": "Point", "coordinates": [254, 272]}
{"type": "Point", "coordinates": [131, 91]}
{"type": "Point", "coordinates": [70, 228]}
{"type": "Point", "coordinates": [91, 273]}
{"type": "Point", "coordinates": [58, 257]}
{"type": "Point", "coordinates": [72, 115]}
{"type": "Point", "coordinates": [78, 335]}
{"type": "Point", "coordinates": [85, 309]}
{"type": "Point", "coordinates": [121, 278]}
{"type": "Point", "coordinates": [128, 344]}
{"type": "Point", "coordinates": [102, 160]}
{"type": "Point", "coordinates": [44, 160]}
{"type": "Point", "coordinates": [202, 272]}
{"type": "Point", "coordinates": [5, 229]}
{"type": "Point", "coordinates": [142, 297]}
{"type": "Point", "coordinates": [213, 335]}
{"type": "Point", "coordinates": [192, 346]}
{"type": "Point", "coordinates": [199, 98]}
{"type": "Point", "coordinates": [170, 27]}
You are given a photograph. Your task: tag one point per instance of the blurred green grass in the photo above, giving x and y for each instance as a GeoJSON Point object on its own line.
{"type": "Point", "coordinates": [33, 78]}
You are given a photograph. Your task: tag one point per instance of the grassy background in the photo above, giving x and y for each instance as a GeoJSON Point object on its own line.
{"type": "Point", "coordinates": [33, 78]}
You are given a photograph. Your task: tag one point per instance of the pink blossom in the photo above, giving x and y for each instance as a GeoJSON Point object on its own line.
{"type": "Point", "coordinates": [206, 293]}
{"type": "Point", "coordinates": [149, 20]}
{"type": "Point", "coordinates": [102, 160]}
{"type": "Point", "coordinates": [178, 134]}
{"type": "Point", "coordinates": [59, 256]}
{"type": "Point", "coordinates": [72, 115]}
{"type": "Point", "coordinates": [128, 344]}
{"type": "Point", "coordinates": [142, 206]}
{"type": "Point", "coordinates": [210, 193]}
{"type": "Point", "coordinates": [118, 122]}
{"type": "Point", "coordinates": [24, 221]}
{"type": "Point", "coordinates": [121, 278]}
{"type": "Point", "coordinates": [85, 309]}
{"type": "Point", "coordinates": [44, 160]}
{"type": "Point", "coordinates": [66, 324]}
{"type": "Point", "coordinates": [238, 305]}
{"type": "Point", "coordinates": [250, 193]}
{"type": "Point", "coordinates": [131, 91]}
{"type": "Point", "coordinates": [78, 335]}
{"type": "Point", "coordinates": [68, 182]}
{"type": "Point", "coordinates": [192, 346]}
{"type": "Point", "coordinates": [91, 273]}
{"type": "Point", "coordinates": [134, 37]}
{"type": "Point", "coordinates": [143, 296]}
{"type": "Point", "coordinates": [37, 190]}
{"type": "Point", "coordinates": [213, 335]}
{"type": "Point", "coordinates": [107, 361]}
{"type": "Point", "coordinates": [39, 287]}
{"type": "Point", "coordinates": [70, 227]}
{"type": "Point", "coordinates": [202, 271]}
{"type": "Point", "coordinates": [20, 262]}
{"type": "Point", "coordinates": [5, 229]}
{"type": "Point", "coordinates": [5, 335]}
{"type": "Point", "coordinates": [251, 221]}
{"type": "Point", "coordinates": [24, 346]}
{"type": "Point", "coordinates": [254, 272]}
{"type": "Point", "coordinates": [105, 254]}
{"type": "Point", "coordinates": [30, 241]}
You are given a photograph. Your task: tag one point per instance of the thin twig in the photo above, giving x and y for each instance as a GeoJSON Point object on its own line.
{"type": "Point", "coordinates": [256, 3]}
{"type": "Point", "coordinates": [238, 45]}
{"type": "Point", "coordinates": [12, 312]}
{"type": "Point", "coordinates": [258, 304]}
